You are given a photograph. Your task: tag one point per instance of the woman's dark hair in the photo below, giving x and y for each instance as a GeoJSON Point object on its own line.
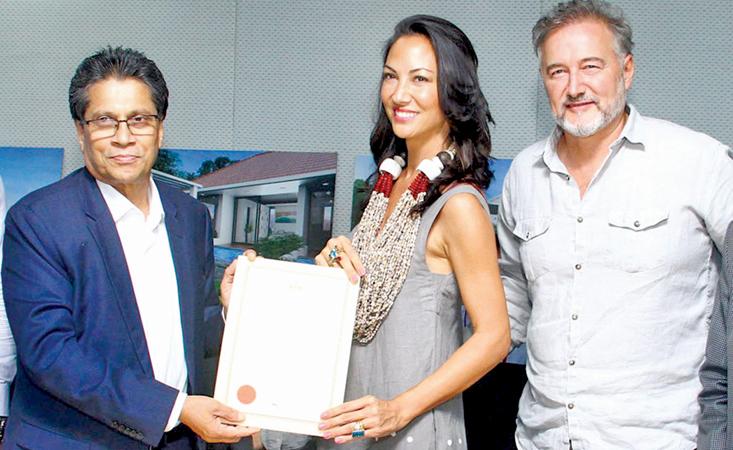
{"type": "Point", "coordinates": [118, 63]}
{"type": "Point", "coordinates": [461, 100]}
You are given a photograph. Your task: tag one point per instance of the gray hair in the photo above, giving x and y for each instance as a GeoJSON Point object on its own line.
{"type": "Point", "coordinates": [573, 11]}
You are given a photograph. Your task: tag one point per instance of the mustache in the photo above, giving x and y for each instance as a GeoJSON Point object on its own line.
{"type": "Point", "coordinates": [114, 155]}
{"type": "Point", "coordinates": [579, 98]}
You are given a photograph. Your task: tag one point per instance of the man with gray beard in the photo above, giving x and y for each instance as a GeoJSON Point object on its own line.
{"type": "Point", "coordinates": [610, 233]}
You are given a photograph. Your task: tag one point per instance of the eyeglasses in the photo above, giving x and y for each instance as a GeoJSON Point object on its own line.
{"type": "Point", "coordinates": [139, 125]}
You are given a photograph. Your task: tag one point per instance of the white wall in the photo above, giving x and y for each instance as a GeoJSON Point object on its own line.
{"type": "Point", "coordinates": [226, 220]}
{"type": "Point", "coordinates": [302, 76]}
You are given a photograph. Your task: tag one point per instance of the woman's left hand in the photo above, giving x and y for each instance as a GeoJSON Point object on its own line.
{"type": "Point", "coordinates": [379, 418]}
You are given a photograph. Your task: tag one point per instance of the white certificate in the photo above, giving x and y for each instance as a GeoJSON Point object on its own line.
{"type": "Point", "coordinates": [286, 346]}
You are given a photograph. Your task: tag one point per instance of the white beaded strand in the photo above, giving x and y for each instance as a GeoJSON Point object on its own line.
{"type": "Point", "coordinates": [386, 257]}
{"type": "Point", "coordinates": [387, 254]}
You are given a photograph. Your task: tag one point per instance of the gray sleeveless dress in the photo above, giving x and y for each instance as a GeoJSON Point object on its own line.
{"type": "Point", "coordinates": [421, 331]}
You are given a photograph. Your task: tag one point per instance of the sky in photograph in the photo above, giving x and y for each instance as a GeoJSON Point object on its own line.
{"type": "Point", "coordinates": [499, 167]}
{"type": "Point", "coordinates": [191, 159]}
{"type": "Point", "coordinates": [363, 167]}
{"type": "Point", "coordinates": [25, 169]}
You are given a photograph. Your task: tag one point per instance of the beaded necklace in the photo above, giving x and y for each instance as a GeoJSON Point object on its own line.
{"type": "Point", "coordinates": [387, 253]}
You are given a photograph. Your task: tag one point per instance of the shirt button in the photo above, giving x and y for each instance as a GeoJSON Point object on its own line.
{"type": "Point", "coordinates": [571, 362]}
{"type": "Point", "coordinates": [571, 405]}
{"type": "Point", "coordinates": [580, 220]}
{"type": "Point", "coordinates": [578, 267]}
{"type": "Point", "coordinates": [637, 224]}
{"type": "Point", "coordinates": [574, 317]}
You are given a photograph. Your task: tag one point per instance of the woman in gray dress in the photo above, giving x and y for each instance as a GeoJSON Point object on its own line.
{"type": "Point", "coordinates": [424, 247]}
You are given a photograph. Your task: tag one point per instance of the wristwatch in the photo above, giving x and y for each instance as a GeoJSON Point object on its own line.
{"type": "Point", "coordinates": [3, 422]}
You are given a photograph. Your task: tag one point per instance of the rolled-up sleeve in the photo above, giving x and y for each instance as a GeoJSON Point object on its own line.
{"type": "Point", "coordinates": [510, 264]}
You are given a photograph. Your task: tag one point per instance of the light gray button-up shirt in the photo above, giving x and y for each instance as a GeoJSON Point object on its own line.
{"type": "Point", "coordinates": [613, 292]}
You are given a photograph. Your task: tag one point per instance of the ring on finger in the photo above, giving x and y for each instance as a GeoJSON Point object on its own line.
{"type": "Point", "coordinates": [358, 430]}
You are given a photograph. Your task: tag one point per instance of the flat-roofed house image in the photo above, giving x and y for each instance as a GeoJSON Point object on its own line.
{"type": "Point", "coordinates": [271, 194]}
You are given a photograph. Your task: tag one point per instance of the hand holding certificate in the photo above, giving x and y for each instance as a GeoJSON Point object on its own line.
{"type": "Point", "coordinates": [286, 346]}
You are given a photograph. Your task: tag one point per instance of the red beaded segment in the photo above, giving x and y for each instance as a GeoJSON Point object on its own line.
{"type": "Point", "coordinates": [419, 185]}
{"type": "Point", "coordinates": [384, 184]}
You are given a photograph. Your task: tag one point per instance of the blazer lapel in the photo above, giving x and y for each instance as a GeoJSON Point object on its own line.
{"type": "Point", "coordinates": [103, 230]}
{"type": "Point", "coordinates": [186, 278]}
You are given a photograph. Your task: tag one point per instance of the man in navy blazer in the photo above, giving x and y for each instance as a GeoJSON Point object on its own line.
{"type": "Point", "coordinates": [106, 275]}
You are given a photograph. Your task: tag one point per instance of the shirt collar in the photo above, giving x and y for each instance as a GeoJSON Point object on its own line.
{"type": "Point", "coordinates": [119, 206]}
{"type": "Point", "coordinates": [633, 131]}
{"type": "Point", "coordinates": [549, 153]}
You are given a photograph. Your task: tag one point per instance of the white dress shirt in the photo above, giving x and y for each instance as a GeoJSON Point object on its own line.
{"type": "Point", "coordinates": [613, 292]}
{"type": "Point", "coordinates": [7, 344]}
{"type": "Point", "coordinates": [150, 264]}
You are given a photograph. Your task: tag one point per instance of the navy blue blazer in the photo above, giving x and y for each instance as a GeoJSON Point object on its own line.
{"type": "Point", "coordinates": [85, 380]}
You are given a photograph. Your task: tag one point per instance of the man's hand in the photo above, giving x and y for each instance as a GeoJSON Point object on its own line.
{"type": "Point", "coordinates": [227, 280]}
{"type": "Point", "coordinates": [213, 421]}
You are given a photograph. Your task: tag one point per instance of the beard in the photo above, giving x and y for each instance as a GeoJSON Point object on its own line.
{"type": "Point", "coordinates": [606, 116]}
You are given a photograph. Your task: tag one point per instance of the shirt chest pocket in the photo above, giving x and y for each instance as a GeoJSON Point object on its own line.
{"type": "Point", "coordinates": [639, 240]}
{"type": "Point", "coordinates": [533, 245]}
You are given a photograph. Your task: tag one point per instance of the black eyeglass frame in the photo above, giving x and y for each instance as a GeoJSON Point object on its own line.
{"type": "Point", "coordinates": [116, 128]}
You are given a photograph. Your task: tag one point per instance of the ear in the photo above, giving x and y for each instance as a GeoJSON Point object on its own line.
{"type": "Point", "coordinates": [161, 132]}
{"type": "Point", "coordinates": [79, 134]}
{"type": "Point", "coordinates": [628, 70]}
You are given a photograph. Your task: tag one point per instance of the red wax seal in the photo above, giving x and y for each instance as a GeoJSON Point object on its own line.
{"type": "Point", "coordinates": [246, 394]}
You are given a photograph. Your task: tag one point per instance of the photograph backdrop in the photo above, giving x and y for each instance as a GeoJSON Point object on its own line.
{"type": "Point", "coordinates": [25, 169]}
{"type": "Point", "coordinates": [303, 76]}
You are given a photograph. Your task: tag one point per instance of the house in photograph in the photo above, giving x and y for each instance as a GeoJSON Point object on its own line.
{"type": "Point", "coordinates": [189, 187]}
{"type": "Point", "coordinates": [280, 198]}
